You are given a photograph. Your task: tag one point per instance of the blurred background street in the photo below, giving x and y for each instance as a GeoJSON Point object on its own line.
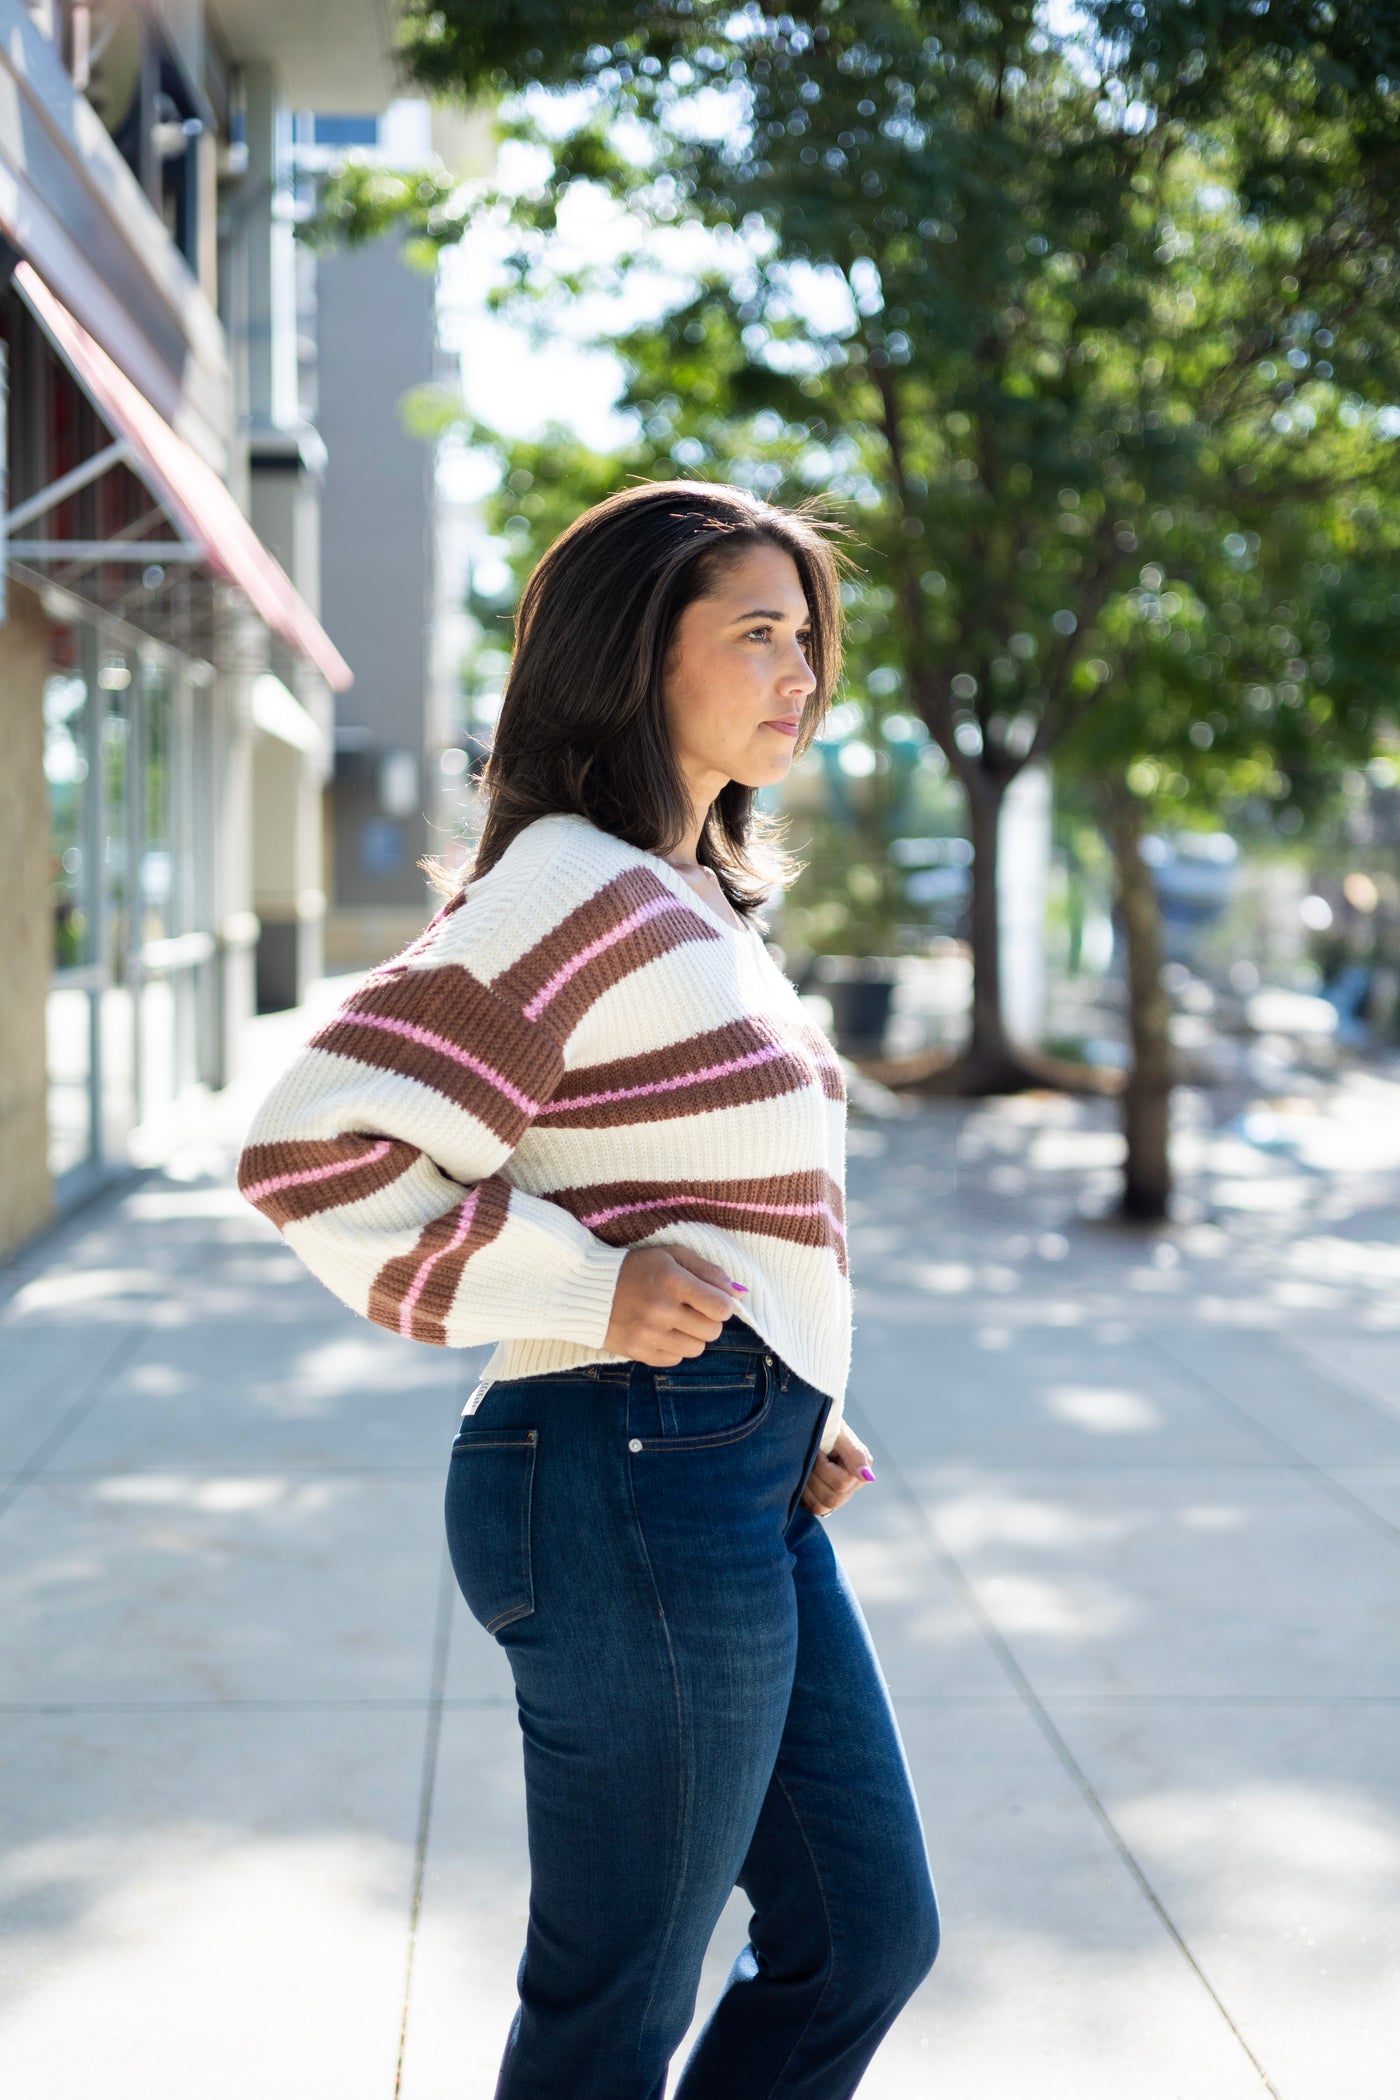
{"type": "Point", "coordinates": [1079, 323]}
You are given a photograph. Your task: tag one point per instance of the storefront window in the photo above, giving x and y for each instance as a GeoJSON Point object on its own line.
{"type": "Point", "coordinates": [131, 1005]}
{"type": "Point", "coordinates": [159, 918]}
{"type": "Point", "coordinates": [121, 854]}
{"type": "Point", "coordinates": [66, 769]}
{"type": "Point", "coordinates": [72, 793]}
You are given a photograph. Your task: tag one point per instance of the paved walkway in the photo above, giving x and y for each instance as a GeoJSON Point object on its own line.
{"type": "Point", "coordinates": [1133, 1564]}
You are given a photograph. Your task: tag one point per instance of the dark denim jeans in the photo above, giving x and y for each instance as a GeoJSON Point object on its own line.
{"type": "Point", "coordinates": [701, 1707]}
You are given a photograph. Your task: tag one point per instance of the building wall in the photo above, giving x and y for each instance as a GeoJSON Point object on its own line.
{"type": "Point", "coordinates": [285, 505]}
{"type": "Point", "coordinates": [287, 893]}
{"type": "Point", "coordinates": [167, 1011]}
{"type": "Point", "coordinates": [375, 334]}
{"type": "Point", "coordinates": [26, 925]}
{"type": "Point", "coordinates": [231, 729]}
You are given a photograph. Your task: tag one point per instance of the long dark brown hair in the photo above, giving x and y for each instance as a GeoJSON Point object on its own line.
{"type": "Point", "coordinates": [582, 725]}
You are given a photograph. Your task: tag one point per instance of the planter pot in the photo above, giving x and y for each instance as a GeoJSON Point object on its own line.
{"type": "Point", "coordinates": [861, 991]}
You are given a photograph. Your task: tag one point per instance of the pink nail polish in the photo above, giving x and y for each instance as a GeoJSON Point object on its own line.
{"type": "Point", "coordinates": [739, 1287]}
{"type": "Point", "coordinates": [866, 1474]}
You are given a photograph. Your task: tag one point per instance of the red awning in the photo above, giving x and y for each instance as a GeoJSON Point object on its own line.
{"type": "Point", "coordinates": [198, 502]}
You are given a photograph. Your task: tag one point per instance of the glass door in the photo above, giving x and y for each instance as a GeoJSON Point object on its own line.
{"type": "Point", "coordinates": [119, 718]}
{"type": "Point", "coordinates": [129, 1026]}
{"type": "Point", "coordinates": [74, 1052]}
{"type": "Point", "coordinates": [159, 889]}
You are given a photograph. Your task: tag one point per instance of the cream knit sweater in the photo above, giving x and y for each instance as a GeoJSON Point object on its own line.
{"type": "Point", "coordinates": [577, 1057]}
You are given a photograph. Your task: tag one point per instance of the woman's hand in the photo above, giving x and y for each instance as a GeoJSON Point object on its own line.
{"type": "Point", "coordinates": [837, 1474]}
{"type": "Point", "coordinates": [667, 1304]}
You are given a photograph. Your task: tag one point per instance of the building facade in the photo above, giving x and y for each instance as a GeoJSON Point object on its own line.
{"type": "Point", "coordinates": [378, 549]}
{"type": "Point", "coordinates": [167, 681]}
{"type": "Point", "coordinates": [394, 575]}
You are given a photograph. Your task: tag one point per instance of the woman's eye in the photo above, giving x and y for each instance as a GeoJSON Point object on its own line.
{"type": "Point", "coordinates": [759, 634]}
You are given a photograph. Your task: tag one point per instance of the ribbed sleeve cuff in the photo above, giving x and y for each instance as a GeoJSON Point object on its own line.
{"type": "Point", "coordinates": [580, 1304]}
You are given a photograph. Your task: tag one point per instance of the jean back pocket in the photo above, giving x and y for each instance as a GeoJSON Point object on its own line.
{"type": "Point", "coordinates": [490, 1488]}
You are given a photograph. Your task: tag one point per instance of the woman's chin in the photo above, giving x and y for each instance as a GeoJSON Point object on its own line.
{"type": "Point", "coordinates": [763, 772]}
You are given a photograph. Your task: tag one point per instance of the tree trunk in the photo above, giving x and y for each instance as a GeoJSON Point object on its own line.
{"type": "Point", "coordinates": [1147, 1178]}
{"type": "Point", "coordinates": [990, 1064]}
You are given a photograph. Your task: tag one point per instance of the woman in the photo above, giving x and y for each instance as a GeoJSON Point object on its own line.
{"type": "Point", "coordinates": [587, 1118]}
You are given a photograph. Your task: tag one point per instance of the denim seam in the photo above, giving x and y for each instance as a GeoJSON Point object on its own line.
{"type": "Point", "coordinates": [505, 1618]}
{"type": "Point", "coordinates": [709, 1385]}
{"type": "Point", "coordinates": [774, 2089]}
{"type": "Point", "coordinates": [527, 1572]}
{"type": "Point", "coordinates": [684, 1809]}
{"type": "Point", "coordinates": [467, 1442]}
{"type": "Point", "coordinates": [589, 1371]}
{"type": "Point", "coordinates": [704, 1443]}
{"type": "Point", "coordinates": [719, 1436]}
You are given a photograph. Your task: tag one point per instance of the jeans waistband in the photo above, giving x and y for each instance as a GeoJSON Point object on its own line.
{"type": "Point", "coordinates": [736, 1333]}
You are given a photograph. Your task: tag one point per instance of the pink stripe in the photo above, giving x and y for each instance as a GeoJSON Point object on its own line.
{"type": "Point", "coordinates": [772, 1210]}
{"type": "Point", "coordinates": [666, 1086]}
{"type": "Point", "coordinates": [415, 1289]}
{"type": "Point", "coordinates": [605, 941]}
{"type": "Point", "coordinates": [353, 1017]}
{"type": "Point", "coordinates": [337, 1166]}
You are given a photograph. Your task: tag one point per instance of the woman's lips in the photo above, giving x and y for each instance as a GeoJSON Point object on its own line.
{"type": "Point", "coordinates": [784, 728]}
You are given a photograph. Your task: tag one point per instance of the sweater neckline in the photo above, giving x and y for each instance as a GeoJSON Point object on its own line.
{"type": "Point", "coordinates": [677, 882]}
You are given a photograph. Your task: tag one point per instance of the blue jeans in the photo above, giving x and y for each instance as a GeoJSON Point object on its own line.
{"type": "Point", "coordinates": [701, 1707]}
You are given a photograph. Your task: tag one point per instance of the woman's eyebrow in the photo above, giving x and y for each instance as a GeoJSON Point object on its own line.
{"type": "Point", "coordinates": [761, 613]}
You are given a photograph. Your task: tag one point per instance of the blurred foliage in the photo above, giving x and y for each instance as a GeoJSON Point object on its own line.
{"type": "Point", "coordinates": [465, 46]}
{"type": "Point", "coordinates": [362, 201]}
{"type": "Point", "coordinates": [1266, 752]}
{"type": "Point", "coordinates": [1095, 339]}
{"type": "Point", "coordinates": [864, 785]}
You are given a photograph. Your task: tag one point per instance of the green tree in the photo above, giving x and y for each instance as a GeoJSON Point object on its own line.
{"type": "Point", "coordinates": [1052, 316]}
{"type": "Point", "coordinates": [1163, 755]}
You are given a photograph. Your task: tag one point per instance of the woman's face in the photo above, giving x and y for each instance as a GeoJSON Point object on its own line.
{"type": "Point", "coordinates": [737, 676]}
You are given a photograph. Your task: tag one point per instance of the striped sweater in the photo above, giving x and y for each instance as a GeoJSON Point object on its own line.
{"type": "Point", "coordinates": [577, 1057]}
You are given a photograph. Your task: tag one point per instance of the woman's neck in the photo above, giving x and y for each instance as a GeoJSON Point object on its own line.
{"type": "Point", "coordinates": [686, 852]}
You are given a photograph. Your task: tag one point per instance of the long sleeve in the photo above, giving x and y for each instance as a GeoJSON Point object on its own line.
{"type": "Point", "coordinates": [379, 1155]}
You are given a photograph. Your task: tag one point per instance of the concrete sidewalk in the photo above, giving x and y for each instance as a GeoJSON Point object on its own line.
{"type": "Point", "coordinates": [1132, 1563]}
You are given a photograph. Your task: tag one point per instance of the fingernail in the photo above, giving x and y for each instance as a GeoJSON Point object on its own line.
{"type": "Point", "coordinates": [866, 1474]}
{"type": "Point", "coordinates": [738, 1287]}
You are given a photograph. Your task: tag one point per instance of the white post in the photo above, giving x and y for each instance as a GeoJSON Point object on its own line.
{"type": "Point", "coordinates": [1023, 873]}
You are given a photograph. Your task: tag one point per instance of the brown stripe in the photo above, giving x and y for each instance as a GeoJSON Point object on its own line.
{"type": "Point", "coordinates": [759, 1061]}
{"type": "Point", "coordinates": [806, 1207]}
{"type": "Point", "coordinates": [332, 1161]}
{"type": "Point", "coordinates": [825, 1059]}
{"type": "Point", "coordinates": [537, 973]}
{"type": "Point", "coordinates": [512, 1057]}
{"type": "Point", "coordinates": [428, 1318]}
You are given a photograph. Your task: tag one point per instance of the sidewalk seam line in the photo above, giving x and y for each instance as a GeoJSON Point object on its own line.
{"type": "Point", "coordinates": [442, 1636]}
{"type": "Point", "coordinates": [108, 1198]}
{"type": "Point", "coordinates": [1297, 1461]}
{"type": "Point", "coordinates": [68, 1421]}
{"type": "Point", "coordinates": [1069, 1763]}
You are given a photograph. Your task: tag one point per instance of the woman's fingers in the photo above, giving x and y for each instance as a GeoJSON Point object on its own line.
{"type": "Point", "coordinates": [662, 1309]}
{"type": "Point", "coordinates": [828, 1486]}
{"type": "Point", "coordinates": [853, 1454]}
{"type": "Point", "coordinates": [837, 1474]}
{"type": "Point", "coordinates": [703, 1287]}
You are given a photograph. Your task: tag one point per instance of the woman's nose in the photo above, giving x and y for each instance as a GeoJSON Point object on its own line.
{"type": "Point", "coordinates": [798, 677]}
